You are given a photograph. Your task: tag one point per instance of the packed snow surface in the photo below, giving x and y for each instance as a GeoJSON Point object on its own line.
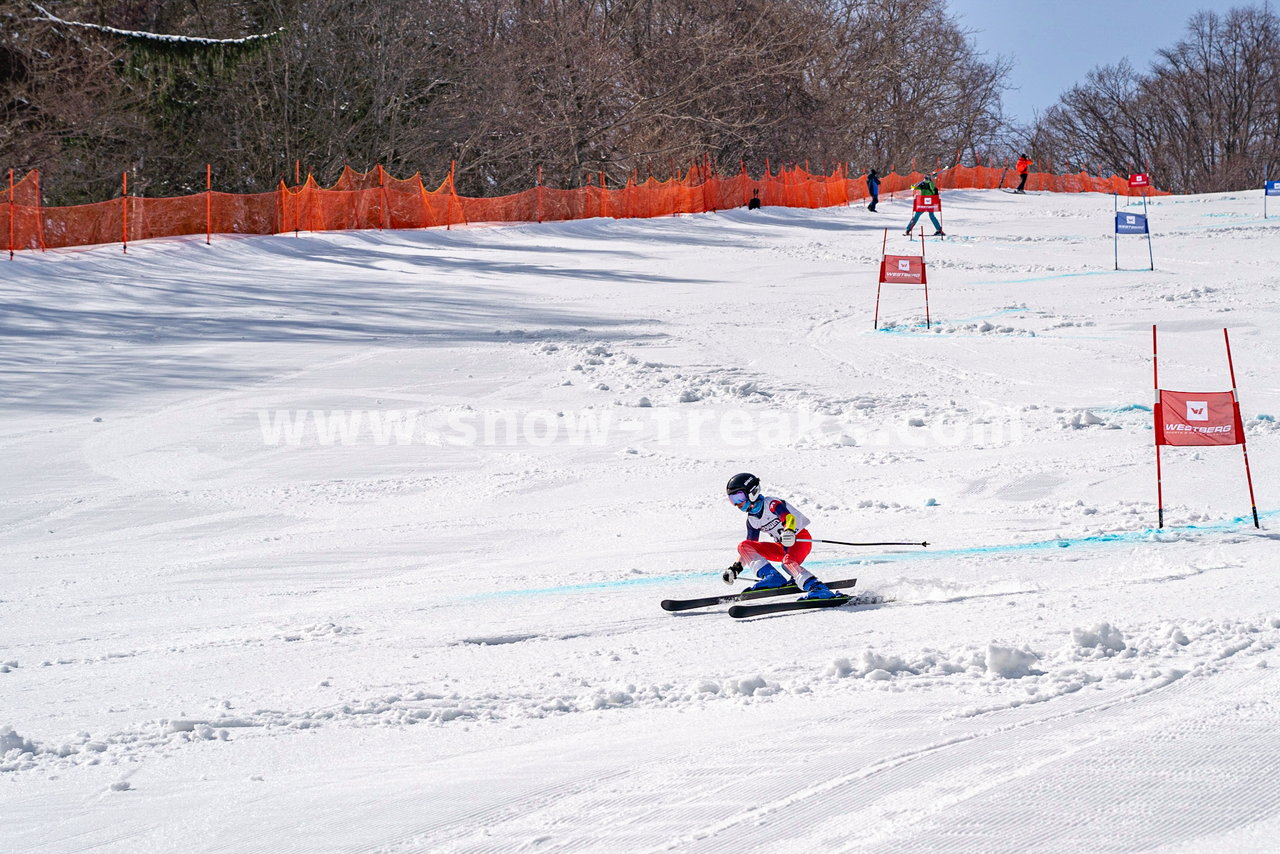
{"type": "Point", "coordinates": [354, 542]}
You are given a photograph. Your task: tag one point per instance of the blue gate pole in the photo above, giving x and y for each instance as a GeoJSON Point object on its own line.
{"type": "Point", "coordinates": [1150, 255]}
{"type": "Point", "coordinates": [1115, 236]}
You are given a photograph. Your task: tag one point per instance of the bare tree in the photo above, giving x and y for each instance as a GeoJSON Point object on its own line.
{"type": "Point", "coordinates": [1206, 117]}
{"type": "Point", "coordinates": [63, 107]}
{"type": "Point", "coordinates": [501, 87]}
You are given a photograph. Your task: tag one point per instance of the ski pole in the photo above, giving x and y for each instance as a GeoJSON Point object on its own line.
{"type": "Point", "coordinates": [842, 543]}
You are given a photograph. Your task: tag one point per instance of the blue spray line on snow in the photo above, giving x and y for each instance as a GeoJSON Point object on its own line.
{"type": "Point", "coordinates": [1058, 276]}
{"type": "Point", "coordinates": [1148, 535]}
{"type": "Point", "coordinates": [1129, 407]}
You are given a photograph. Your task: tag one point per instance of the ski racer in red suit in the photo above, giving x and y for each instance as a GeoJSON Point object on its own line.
{"type": "Point", "coordinates": [791, 543]}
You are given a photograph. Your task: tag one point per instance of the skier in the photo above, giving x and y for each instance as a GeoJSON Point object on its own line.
{"type": "Point", "coordinates": [1024, 164]}
{"type": "Point", "coordinates": [873, 188]}
{"type": "Point", "coordinates": [787, 526]}
{"type": "Point", "coordinates": [927, 187]}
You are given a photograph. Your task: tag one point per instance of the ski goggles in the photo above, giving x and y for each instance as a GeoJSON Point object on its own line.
{"type": "Point", "coordinates": [739, 498]}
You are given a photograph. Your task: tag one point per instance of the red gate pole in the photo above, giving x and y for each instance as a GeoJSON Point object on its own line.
{"type": "Point", "coordinates": [875, 324]}
{"type": "Point", "coordinates": [208, 204]}
{"type": "Point", "coordinates": [1240, 426]}
{"type": "Point", "coordinates": [124, 219]}
{"type": "Point", "coordinates": [924, 280]}
{"type": "Point", "coordinates": [1159, 413]}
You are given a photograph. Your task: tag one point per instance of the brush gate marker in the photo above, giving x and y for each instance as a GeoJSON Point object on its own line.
{"type": "Point", "coordinates": [1198, 419]}
{"type": "Point", "coordinates": [1269, 188]}
{"type": "Point", "coordinates": [904, 270]}
{"type": "Point", "coordinates": [1132, 223]}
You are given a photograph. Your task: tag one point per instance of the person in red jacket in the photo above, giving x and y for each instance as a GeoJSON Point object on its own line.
{"type": "Point", "coordinates": [783, 523]}
{"type": "Point", "coordinates": [1024, 164]}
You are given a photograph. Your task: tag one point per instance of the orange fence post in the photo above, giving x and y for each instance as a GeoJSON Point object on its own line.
{"type": "Point", "coordinates": [39, 213]}
{"type": "Point", "coordinates": [10, 214]}
{"type": "Point", "coordinates": [382, 199]}
{"type": "Point", "coordinates": [280, 204]}
{"type": "Point", "coordinates": [208, 204]}
{"type": "Point", "coordinates": [448, 217]}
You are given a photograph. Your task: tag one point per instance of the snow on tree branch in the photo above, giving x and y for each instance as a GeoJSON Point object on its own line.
{"type": "Point", "coordinates": [161, 37]}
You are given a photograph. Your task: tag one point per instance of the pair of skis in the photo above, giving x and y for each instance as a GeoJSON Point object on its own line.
{"type": "Point", "coordinates": [741, 611]}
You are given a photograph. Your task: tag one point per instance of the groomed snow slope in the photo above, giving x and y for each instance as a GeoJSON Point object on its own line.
{"type": "Point", "coordinates": [355, 542]}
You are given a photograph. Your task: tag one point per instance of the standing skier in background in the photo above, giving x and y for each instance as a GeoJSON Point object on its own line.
{"type": "Point", "coordinates": [1023, 165]}
{"type": "Point", "coordinates": [927, 187]}
{"type": "Point", "coordinates": [873, 187]}
{"type": "Point", "coordinates": [791, 544]}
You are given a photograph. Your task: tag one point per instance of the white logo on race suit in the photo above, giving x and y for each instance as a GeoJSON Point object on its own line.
{"type": "Point", "coordinates": [1197, 410]}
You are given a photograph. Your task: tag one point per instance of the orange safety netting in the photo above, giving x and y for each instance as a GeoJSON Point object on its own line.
{"type": "Point", "coordinates": [374, 199]}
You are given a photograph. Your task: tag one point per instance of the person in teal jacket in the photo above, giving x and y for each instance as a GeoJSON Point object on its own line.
{"type": "Point", "coordinates": [927, 187]}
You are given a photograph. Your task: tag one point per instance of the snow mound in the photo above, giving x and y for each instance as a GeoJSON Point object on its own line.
{"type": "Point", "coordinates": [1100, 640]}
{"type": "Point", "coordinates": [1009, 662]}
{"type": "Point", "coordinates": [11, 742]}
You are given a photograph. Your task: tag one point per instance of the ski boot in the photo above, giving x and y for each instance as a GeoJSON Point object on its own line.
{"type": "Point", "coordinates": [939, 233]}
{"type": "Point", "coordinates": [768, 578]}
{"type": "Point", "coordinates": [815, 589]}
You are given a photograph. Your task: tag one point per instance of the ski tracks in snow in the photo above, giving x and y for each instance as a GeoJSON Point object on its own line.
{"type": "Point", "coordinates": [1076, 737]}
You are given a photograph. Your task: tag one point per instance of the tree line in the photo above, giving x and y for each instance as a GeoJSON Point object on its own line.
{"type": "Point", "coordinates": [1204, 118]}
{"type": "Point", "coordinates": [580, 88]}
{"type": "Point", "coordinates": [584, 90]}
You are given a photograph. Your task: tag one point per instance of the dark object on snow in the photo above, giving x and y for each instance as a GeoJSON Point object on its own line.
{"type": "Point", "coordinates": [746, 595]}
{"type": "Point", "coordinates": [754, 204]}
{"type": "Point", "coordinates": [873, 188]}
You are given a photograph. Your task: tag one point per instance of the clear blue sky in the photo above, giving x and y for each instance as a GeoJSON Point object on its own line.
{"type": "Point", "coordinates": [1053, 45]}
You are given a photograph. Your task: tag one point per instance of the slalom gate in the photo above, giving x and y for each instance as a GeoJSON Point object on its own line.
{"type": "Point", "coordinates": [927, 204]}
{"type": "Point", "coordinates": [1198, 419]}
{"type": "Point", "coordinates": [1132, 223]}
{"type": "Point", "coordinates": [902, 270]}
{"type": "Point", "coordinates": [1269, 188]}
{"type": "Point", "coordinates": [376, 200]}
